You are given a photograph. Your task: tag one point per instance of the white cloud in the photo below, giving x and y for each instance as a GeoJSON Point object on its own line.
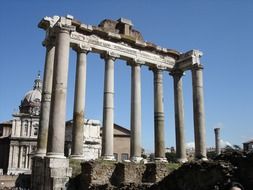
{"type": "Point", "coordinates": [224, 143]}
{"type": "Point", "coordinates": [190, 145]}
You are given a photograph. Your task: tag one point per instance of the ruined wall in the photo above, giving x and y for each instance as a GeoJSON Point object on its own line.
{"type": "Point", "coordinates": [113, 175]}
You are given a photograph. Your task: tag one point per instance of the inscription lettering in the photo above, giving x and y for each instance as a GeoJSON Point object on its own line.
{"type": "Point", "coordinates": [122, 50]}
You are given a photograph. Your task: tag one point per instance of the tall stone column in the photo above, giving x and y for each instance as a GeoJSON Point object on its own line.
{"type": "Point", "coordinates": [108, 109]}
{"type": "Point", "coordinates": [135, 148]}
{"type": "Point", "coordinates": [56, 134]}
{"type": "Point", "coordinates": [179, 115]}
{"type": "Point", "coordinates": [46, 100]}
{"type": "Point", "coordinates": [198, 112]}
{"type": "Point", "coordinates": [217, 140]}
{"type": "Point", "coordinates": [79, 105]}
{"type": "Point", "coordinates": [159, 115]}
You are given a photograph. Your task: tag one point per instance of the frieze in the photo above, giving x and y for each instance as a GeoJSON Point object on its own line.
{"type": "Point", "coordinates": [124, 51]}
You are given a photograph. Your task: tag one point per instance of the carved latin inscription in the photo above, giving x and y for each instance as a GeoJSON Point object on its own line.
{"type": "Point", "coordinates": [125, 52]}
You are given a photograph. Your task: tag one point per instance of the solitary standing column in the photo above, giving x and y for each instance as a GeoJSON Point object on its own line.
{"type": "Point", "coordinates": [217, 140]}
{"type": "Point", "coordinates": [108, 110]}
{"type": "Point", "coordinates": [179, 115]}
{"type": "Point", "coordinates": [198, 111]}
{"type": "Point", "coordinates": [79, 104]}
{"type": "Point", "coordinates": [159, 115]}
{"type": "Point", "coordinates": [46, 99]}
{"type": "Point", "coordinates": [56, 134]}
{"type": "Point", "coordinates": [135, 148]}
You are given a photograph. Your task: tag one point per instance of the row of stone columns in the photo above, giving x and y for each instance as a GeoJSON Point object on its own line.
{"type": "Point", "coordinates": [53, 109]}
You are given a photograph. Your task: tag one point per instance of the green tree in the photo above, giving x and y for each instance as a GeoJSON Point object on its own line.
{"type": "Point", "coordinates": [171, 156]}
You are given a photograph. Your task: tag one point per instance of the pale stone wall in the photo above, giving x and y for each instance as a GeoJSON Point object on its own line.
{"type": "Point", "coordinates": [122, 146]}
{"type": "Point", "coordinates": [91, 139]}
{"type": "Point", "coordinates": [23, 142]}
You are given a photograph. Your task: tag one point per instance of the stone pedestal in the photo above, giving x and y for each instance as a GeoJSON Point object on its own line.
{"type": "Point", "coordinates": [50, 173]}
{"type": "Point", "coordinates": [57, 173]}
{"type": "Point", "coordinates": [37, 177]}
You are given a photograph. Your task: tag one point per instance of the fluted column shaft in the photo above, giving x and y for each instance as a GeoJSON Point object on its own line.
{"type": "Point", "coordinates": [79, 105]}
{"type": "Point", "coordinates": [135, 147]}
{"type": "Point", "coordinates": [108, 109]}
{"type": "Point", "coordinates": [59, 94]}
{"type": "Point", "coordinates": [198, 111]}
{"type": "Point", "coordinates": [46, 100]}
{"type": "Point", "coordinates": [179, 116]}
{"type": "Point", "coordinates": [159, 114]}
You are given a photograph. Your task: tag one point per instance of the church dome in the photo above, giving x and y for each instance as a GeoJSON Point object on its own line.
{"type": "Point", "coordinates": [31, 102]}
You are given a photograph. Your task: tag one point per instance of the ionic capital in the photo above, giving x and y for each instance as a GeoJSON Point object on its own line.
{"type": "Point", "coordinates": [109, 55]}
{"type": "Point", "coordinates": [135, 62]}
{"type": "Point", "coordinates": [81, 48]}
{"type": "Point", "coordinates": [61, 28]}
{"type": "Point", "coordinates": [157, 68]}
{"type": "Point", "coordinates": [49, 42]}
{"type": "Point", "coordinates": [197, 67]}
{"type": "Point", "coordinates": [177, 73]}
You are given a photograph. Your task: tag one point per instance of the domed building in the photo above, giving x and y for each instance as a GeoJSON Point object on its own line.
{"type": "Point", "coordinates": [18, 137]}
{"type": "Point", "coordinates": [31, 102]}
{"type": "Point", "coordinates": [25, 124]}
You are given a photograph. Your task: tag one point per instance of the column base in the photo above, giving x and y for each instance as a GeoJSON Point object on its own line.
{"type": "Point", "coordinates": [76, 157]}
{"type": "Point", "coordinates": [202, 159]}
{"type": "Point", "coordinates": [108, 157]}
{"type": "Point", "coordinates": [136, 159]}
{"type": "Point", "coordinates": [39, 154]}
{"type": "Point", "coordinates": [182, 160]}
{"type": "Point", "coordinates": [55, 155]}
{"type": "Point", "coordinates": [160, 159]}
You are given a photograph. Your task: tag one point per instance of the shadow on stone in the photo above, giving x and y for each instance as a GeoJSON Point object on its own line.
{"type": "Point", "coordinates": [23, 181]}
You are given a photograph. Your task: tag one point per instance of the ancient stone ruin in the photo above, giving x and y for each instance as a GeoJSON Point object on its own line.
{"type": "Point", "coordinates": [112, 40]}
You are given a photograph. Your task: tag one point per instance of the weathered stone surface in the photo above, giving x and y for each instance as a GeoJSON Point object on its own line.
{"type": "Point", "coordinates": [155, 172]}
{"type": "Point", "coordinates": [57, 173]}
{"type": "Point", "coordinates": [37, 177]}
{"type": "Point", "coordinates": [197, 176]}
{"type": "Point", "coordinates": [112, 175]}
{"type": "Point", "coordinates": [97, 173]}
{"type": "Point", "coordinates": [128, 173]}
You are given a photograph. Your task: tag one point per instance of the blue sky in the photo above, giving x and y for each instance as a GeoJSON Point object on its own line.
{"type": "Point", "coordinates": [223, 30]}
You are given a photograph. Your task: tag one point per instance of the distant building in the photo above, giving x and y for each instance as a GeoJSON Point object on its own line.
{"type": "Point", "coordinates": [121, 141]}
{"type": "Point", "coordinates": [248, 146]}
{"type": "Point", "coordinates": [91, 142]}
{"type": "Point", "coordinates": [5, 132]}
{"type": "Point", "coordinates": [18, 136]}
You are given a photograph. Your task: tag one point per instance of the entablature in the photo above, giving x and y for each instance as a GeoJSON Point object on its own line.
{"type": "Point", "coordinates": [119, 38]}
